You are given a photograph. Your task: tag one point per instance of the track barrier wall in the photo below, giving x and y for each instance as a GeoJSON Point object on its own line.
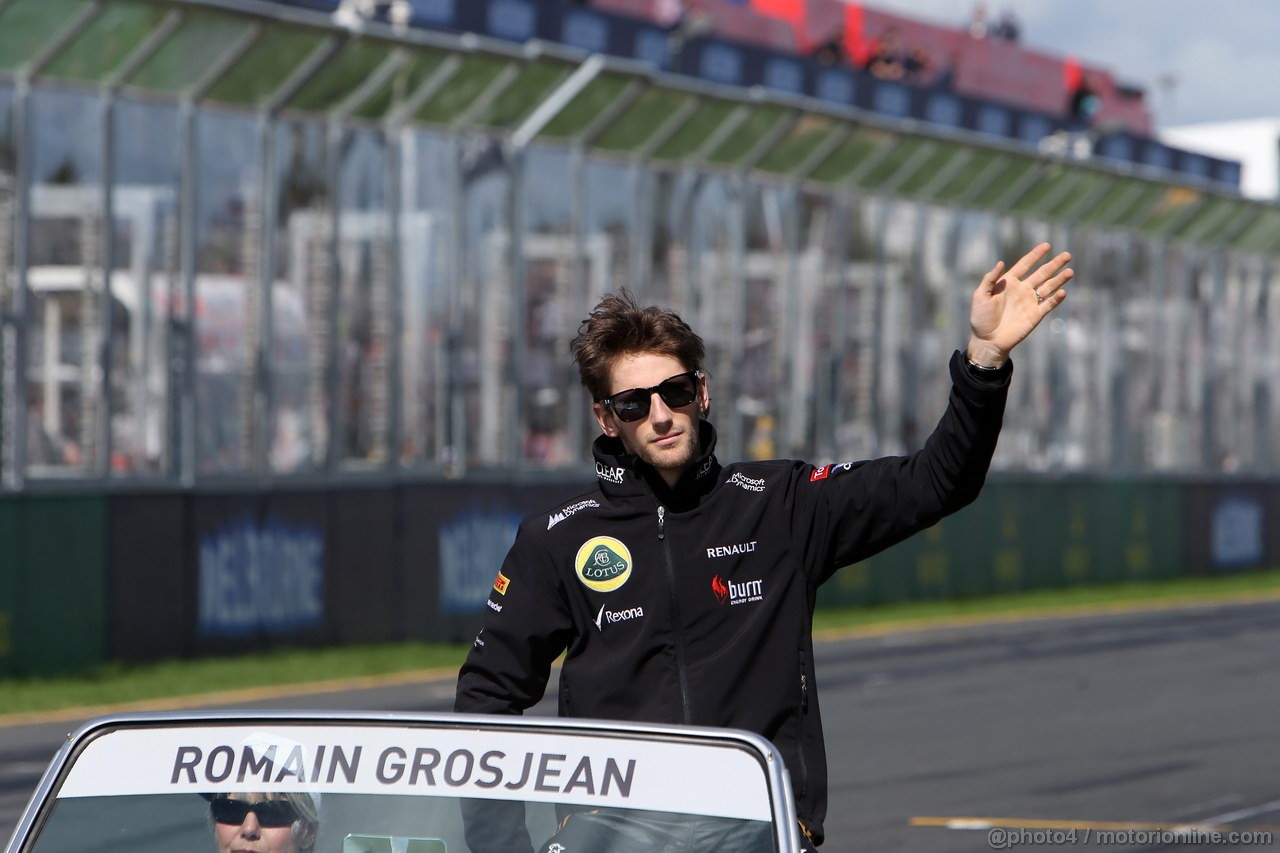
{"type": "Point", "coordinates": [145, 576]}
{"type": "Point", "coordinates": [53, 574]}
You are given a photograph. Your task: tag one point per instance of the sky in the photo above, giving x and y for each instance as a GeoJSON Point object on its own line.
{"type": "Point", "coordinates": [1221, 55]}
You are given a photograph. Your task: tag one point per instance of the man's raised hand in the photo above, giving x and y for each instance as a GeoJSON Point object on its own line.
{"type": "Point", "coordinates": [1008, 305]}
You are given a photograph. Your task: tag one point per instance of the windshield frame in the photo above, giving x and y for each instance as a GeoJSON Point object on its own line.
{"type": "Point", "coordinates": [782, 805]}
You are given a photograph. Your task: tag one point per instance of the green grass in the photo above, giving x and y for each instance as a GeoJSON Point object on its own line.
{"type": "Point", "coordinates": [118, 684]}
{"type": "Point", "coordinates": [1082, 597]}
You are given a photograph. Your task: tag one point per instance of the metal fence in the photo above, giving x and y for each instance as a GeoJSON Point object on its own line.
{"type": "Point", "coordinates": [244, 243]}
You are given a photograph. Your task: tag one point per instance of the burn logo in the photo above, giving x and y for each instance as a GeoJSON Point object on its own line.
{"type": "Point", "coordinates": [728, 592]}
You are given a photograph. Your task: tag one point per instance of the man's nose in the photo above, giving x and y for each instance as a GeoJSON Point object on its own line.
{"type": "Point", "coordinates": [659, 411]}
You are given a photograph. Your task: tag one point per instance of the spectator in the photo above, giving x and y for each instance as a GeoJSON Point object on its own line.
{"type": "Point", "coordinates": [269, 823]}
{"type": "Point", "coordinates": [1082, 106]}
{"type": "Point", "coordinates": [668, 13]}
{"type": "Point", "coordinates": [887, 61]}
{"type": "Point", "coordinates": [684, 23]}
{"type": "Point", "coordinates": [1007, 27]}
{"type": "Point", "coordinates": [978, 22]}
{"type": "Point", "coordinates": [830, 53]}
{"type": "Point", "coordinates": [916, 67]}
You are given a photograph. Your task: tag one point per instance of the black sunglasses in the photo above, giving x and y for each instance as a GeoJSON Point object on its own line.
{"type": "Point", "coordinates": [675, 391]}
{"type": "Point", "coordinates": [272, 813]}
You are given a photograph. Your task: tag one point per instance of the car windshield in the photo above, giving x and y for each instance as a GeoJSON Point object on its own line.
{"type": "Point", "coordinates": [293, 786]}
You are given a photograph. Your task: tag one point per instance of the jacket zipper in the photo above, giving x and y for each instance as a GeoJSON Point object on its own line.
{"type": "Point", "coordinates": [802, 772]}
{"type": "Point", "coordinates": [675, 610]}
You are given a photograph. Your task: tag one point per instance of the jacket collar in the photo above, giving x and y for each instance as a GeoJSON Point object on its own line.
{"type": "Point", "coordinates": [623, 474]}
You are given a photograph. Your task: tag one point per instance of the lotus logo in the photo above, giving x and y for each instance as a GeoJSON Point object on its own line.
{"type": "Point", "coordinates": [720, 588]}
{"type": "Point", "coordinates": [603, 563]}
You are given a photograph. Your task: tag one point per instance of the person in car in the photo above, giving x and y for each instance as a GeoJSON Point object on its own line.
{"type": "Point", "coordinates": [682, 590]}
{"type": "Point", "coordinates": [265, 823]}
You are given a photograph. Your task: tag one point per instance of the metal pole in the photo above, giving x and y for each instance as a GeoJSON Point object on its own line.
{"type": "Point", "coordinates": [393, 161]}
{"type": "Point", "coordinates": [100, 462]}
{"type": "Point", "coordinates": [517, 424]}
{"type": "Point", "coordinates": [335, 452]}
{"type": "Point", "coordinates": [828, 411]}
{"type": "Point", "coordinates": [15, 338]}
{"type": "Point", "coordinates": [264, 377]}
{"type": "Point", "coordinates": [580, 288]}
{"type": "Point", "coordinates": [731, 431]}
{"type": "Point", "coordinates": [183, 332]}
{"type": "Point", "coordinates": [455, 459]}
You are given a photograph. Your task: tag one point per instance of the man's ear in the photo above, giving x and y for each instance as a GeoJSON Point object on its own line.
{"type": "Point", "coordinates": [605, 419]}
{"type": "Point", "coordinates": [704, 396]}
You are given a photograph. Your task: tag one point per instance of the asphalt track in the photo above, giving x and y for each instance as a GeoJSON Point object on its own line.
{"type": "Point", "coordinates": [1159, 726]}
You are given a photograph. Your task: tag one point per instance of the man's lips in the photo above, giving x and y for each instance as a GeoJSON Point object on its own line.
{"type": "Point", "coordinates": [667, 440]}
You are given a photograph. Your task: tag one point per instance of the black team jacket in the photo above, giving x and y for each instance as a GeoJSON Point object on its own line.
{"type": "Point", "coordinates": [694, 604]}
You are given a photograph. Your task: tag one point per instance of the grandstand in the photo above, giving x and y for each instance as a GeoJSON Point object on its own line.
{"type": "Point", "coordinates": [267, 267]}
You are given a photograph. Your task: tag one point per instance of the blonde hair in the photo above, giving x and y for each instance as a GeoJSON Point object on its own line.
{"type": "Point", "coordinates": [305, 804]}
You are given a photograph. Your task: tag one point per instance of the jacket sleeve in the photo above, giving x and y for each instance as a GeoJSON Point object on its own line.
{"type": "Point", "coordinates": [850, 512]}
{"type": "Point", "coordinates": [527, 625]}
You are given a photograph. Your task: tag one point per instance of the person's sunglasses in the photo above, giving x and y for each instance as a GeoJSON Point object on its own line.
{"type": "Point", "coordinates": [675, 391]}
{"type": "Point", "coordinates": [271, 813]}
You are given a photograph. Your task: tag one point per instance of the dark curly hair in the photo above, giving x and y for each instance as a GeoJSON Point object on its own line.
{"type": "Point", "coordinates": [618, 326]}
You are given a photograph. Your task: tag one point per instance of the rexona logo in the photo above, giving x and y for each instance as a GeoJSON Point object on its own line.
{"type": "Point", "coordinates": [728, 592]}
{"type": "Point", "coordinates": [603, 563]}
{"type": "Point", "coordinates": [612, 616]}
{"type": "Point", "coordinates": [557, 517]}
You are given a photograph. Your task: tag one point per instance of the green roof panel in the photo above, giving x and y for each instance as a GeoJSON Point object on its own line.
{"type": "Point", "coordinates": [799, 145]}
{"type": "Point", "coordinates": [1120, 191]}
{"type": "Point", "coordinates": [1016, 169]}
{"type": "Point", "coordinates": [849, 155]}
{"type": "Point", "coordinates": [641, 120]}
{"type": "Point", "coordinates": [1242, 215]}
{"type": "Point", "coordinates": [1210, 216]}
{"type": "Point", "coordinates": [1077, 192]}
{"type": "Point", "coordinates": [189, 52]}
{"type": "Point", "coordinates": [401, 85]}
{"type": "Point", "coordinates": [934, 164]}
{"type": "Point", "coordinates": [1045, 192]}
{"type": "Point", "coordinates": [473, 77]}
{"type": "Point", "coordinates": [744, 140]}
{"type": "Point", "coordinates": [341, 75]}
{"type": "Point", "coordinates": [535, 81]}
{"type": "Point", "coordinates": [904, 148]}
{"type": "Point", "coordinates": [1178, 204]}
{"type": "Point", "coordinates": [1125, 212]}
{"type": "Point", "coordinates": [1263, 235]}
{"type": "Point", "coordinates": [960, 184]}
{"type": "Point", "coordinates": [265, 66]}
{"type": "Point", "coordinates": [694, 133]}
{"type": "Point", "coordinates": [26, 26]}
{"type": "Point", "coordinates": [98, 50]}
{"type": "Point", "coordinates": [596, 97]}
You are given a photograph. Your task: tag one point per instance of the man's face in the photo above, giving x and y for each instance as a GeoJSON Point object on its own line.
{"type": "Point", "coordinates": [250, 836]}
{"type": "Point", "coordinates": [666, 438]}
